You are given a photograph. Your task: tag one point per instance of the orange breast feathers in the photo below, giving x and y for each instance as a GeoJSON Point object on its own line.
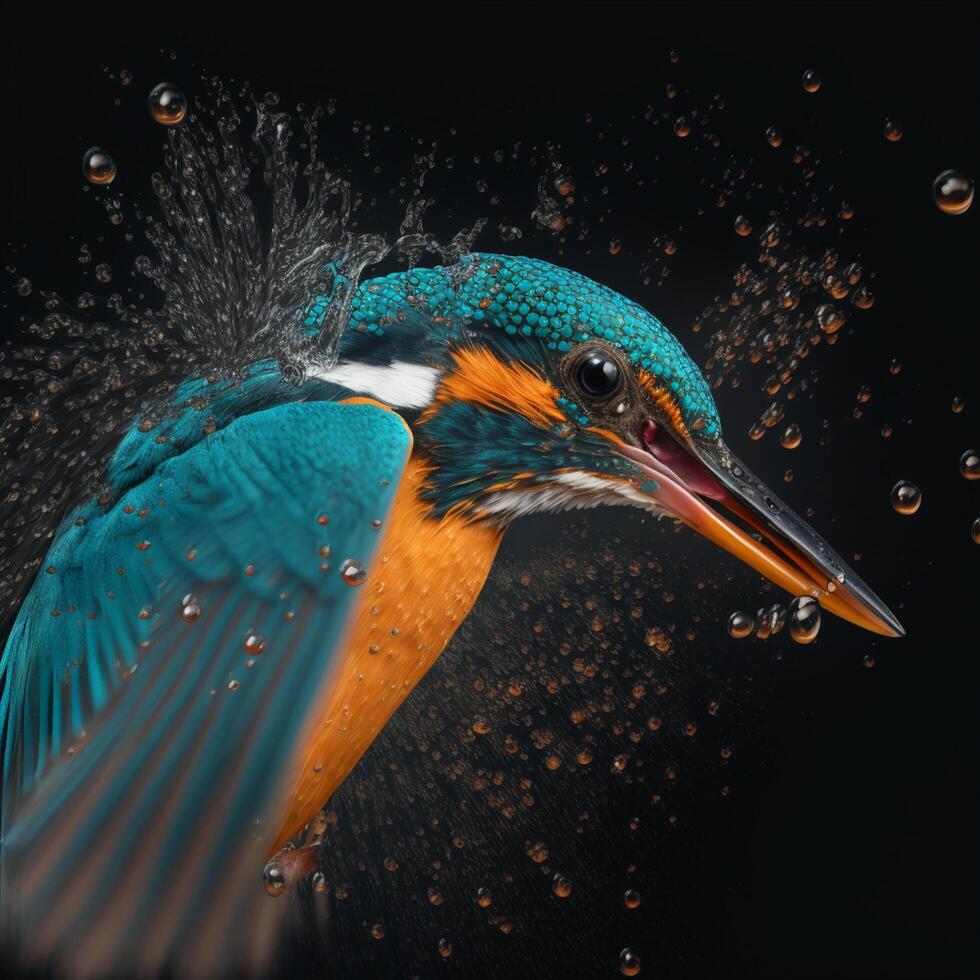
{"type": "Point", "coordinates": [428, 573]}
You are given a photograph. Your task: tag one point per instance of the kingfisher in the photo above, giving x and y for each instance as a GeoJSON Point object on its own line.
{"type": "Point", "coordinates": [211, 646]}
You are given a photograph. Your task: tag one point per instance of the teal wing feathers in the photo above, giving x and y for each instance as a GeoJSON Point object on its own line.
{"type": "Point", "coordinates": [158, 675]}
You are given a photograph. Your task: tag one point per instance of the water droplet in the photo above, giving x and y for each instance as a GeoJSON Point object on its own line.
{"type": "Point", "coordinates": [538, 852]}
{"type": "Point", "coordinates": [353, 572]}
{"type": "Point", "coordinates": [774, 137]}
{"type": "Point", "coordinates": [190, 609]}
{"type": "Point", "coordinates": [970, 464]}
{"type": "Point", "coordinates": [274, 878]}
{"type": "Point", "coordinates": [167, 104]}
{"type": "Point", "coordinates": [803, 619]}
{"type": "Point", "coordinates": [378, 930]}
{"type": "Point", "coordinates": [126, 77]}
{"type": "Point", "coordinates": [481, 726]}
{"type": "Point", "coordinates": [906, 497]}
{"type": "Point", "coordinates": [740, 624]}
{"type": "Point", "coordinates": [319, 882]}
{"type": "Point", "coordinates": [561, 886]}
{"type": "Point", "coordinates": [98, 167]}
{"type": "Point", "coordinates": [829, 317]}
{"type": "Point", "coordinates": [811, 80]}
{"type": "Point", "coordinates": [483, 898]}
{"type": "Point", "coordinates": [631, 898]}
{"type": "Point", "coordinates": [975, 531]}
{"type": "Point", "coordinates": [24, 286]}
{"type": "Point", "coordinates": [743, 226]}
{"type": "Point", "coordinates": [893, 132]}
{"type": "Point", "coordinates": [682, 127]}
{"type": "Point", "coordinates": [791, 437]}
{"type": "Point", "coordinates": [953, 192]}
{"type": "Point", "coordinates": [254, 644]}
{"type": "Point", "coordinates": [957, 405]}
{"type": "Point", "coordinates": [629, 963]}
{"type": "Point", "coordinates": [434, 896]}
{"type": "Point", "coordinates": [445, 948]}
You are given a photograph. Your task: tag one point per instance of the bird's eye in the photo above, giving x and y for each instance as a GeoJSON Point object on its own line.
{"type": "Point", "coordinates": [598, 375]}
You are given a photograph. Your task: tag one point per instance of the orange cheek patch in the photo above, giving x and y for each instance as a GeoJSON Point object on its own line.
{"type": "Point", "coordinates": [481, 378]}
{"type": "Point", "coordinates": [663, 399]}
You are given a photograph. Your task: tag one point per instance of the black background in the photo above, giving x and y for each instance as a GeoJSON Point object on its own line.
{"type": "Point", "coordinates": [849, 846]}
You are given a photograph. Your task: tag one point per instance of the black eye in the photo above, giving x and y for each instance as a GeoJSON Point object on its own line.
{"type": "Point", "coordinates": [598, 375]}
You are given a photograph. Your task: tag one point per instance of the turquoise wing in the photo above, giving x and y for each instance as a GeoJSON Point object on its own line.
{"type": "Point", "coordinates": [158, 676]}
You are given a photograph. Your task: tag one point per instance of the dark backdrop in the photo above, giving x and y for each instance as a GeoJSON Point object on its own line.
{"type": "Point", "coordinates": [848, 844]}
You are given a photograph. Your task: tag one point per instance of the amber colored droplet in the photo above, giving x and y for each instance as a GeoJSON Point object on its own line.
{"type": "Point", "coordinates": [629, 963]}
{"type": "Point", "coordinates": [970, 464]}
{"type": "Point", "coordinates": [774, 137]}
{"type": "Point", "coordinates": [561, 886]}
{"type": "Point", "coordinates": [98, 167]}
{"type": "Point", "coordinates": [740, 625]}
{"type": "Point", "coordinates": [953, 192]}
{"type": "Point", "coordinates": [893, 132]}
{"type": "Point", "coordinates": [483, 898]}
{"type": "Point", "coordinates": [906, 497]}
{"type": "Point", "coordinates": [631, 898]}
{"type": "Point", "coordinates": [811, 80]}
{"type": "Point", "coordinates": [743, 226]}
{"type": "Point", "coordinates": [803, 619]}
{"type": "Point", "coordinates": [254, 644]}
{"type": "Point", "coordinates": [167, 104]}
{"type": "Point", "coordinates": [682, 127]}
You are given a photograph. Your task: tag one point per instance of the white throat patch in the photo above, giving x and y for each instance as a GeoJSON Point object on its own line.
{"type": "Point", "coordinates": [572, 490]}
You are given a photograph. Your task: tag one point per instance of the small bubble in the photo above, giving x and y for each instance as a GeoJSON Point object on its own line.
{"type": "Point", "coordinates": [353, 572]}
{"type": "Point", "coordinates": [98, 167]}
{"type": "Point", "coordinates": [743, 226]}
{"type": "Point", "coordinates": [811, 80]}
{"type": "Point", "coordinates": [893, 132]}
{"type": "Point", "coordinates": [629, 963]}
{"type": "Point", "coordinates": [561, 886]}
{"type": "Point", "coordinates": [445, 948]}
{"type": "Point", "coordinates": [167, 104]}
{"type": "Point", "coordinates": [975, 531]}
{"type": "Point", "coordinates": [957, 405]}
{"type": "Point", "coordinates": [190, 609]}
{"type": "Point", "coordinates": [483, 898]}
{"type": "Point", "coordinates": [254, 644]}
{"type": "Point", "coordinates": [481, 726]}
{"type": "Point", "coordinates": [953, 192]}
{"type": "Point", "coordinates": [774, 137]}
{"type": "Point", "coordinates": [803, 619]}
{"type": "Point", "coordinates": [791, 437]}
{"type": "Point", "coordinates": [970, 464]}
{"type": "Point", "coordinates": [274, 878]}
{"type": "Point", "coordinates": [24, 286]}
{"type": "Point", "coordinates": [631, 898]}
{"type": "Point", "coordinates": [906, 497]}
{"type": "Point", "coordinates": [682, 127]}
{"type": "Point", "coordinates": [740, 625]}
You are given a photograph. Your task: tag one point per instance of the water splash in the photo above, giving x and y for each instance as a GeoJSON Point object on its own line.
{"type": "Point", "coordinates": [248, 224]}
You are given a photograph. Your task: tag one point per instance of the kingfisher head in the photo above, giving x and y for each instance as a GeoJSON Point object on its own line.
{"type": "Point", "coordinates": [531, 388]}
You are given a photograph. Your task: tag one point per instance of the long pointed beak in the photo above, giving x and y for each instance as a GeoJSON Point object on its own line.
{"type": "Point", "coordinates": [694, 482]}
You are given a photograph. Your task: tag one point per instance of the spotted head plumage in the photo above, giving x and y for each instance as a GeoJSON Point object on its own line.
{"type": "Point", "coordinates": [533, 372]}
{"type": "Point", "coordinates": [530, 388]}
